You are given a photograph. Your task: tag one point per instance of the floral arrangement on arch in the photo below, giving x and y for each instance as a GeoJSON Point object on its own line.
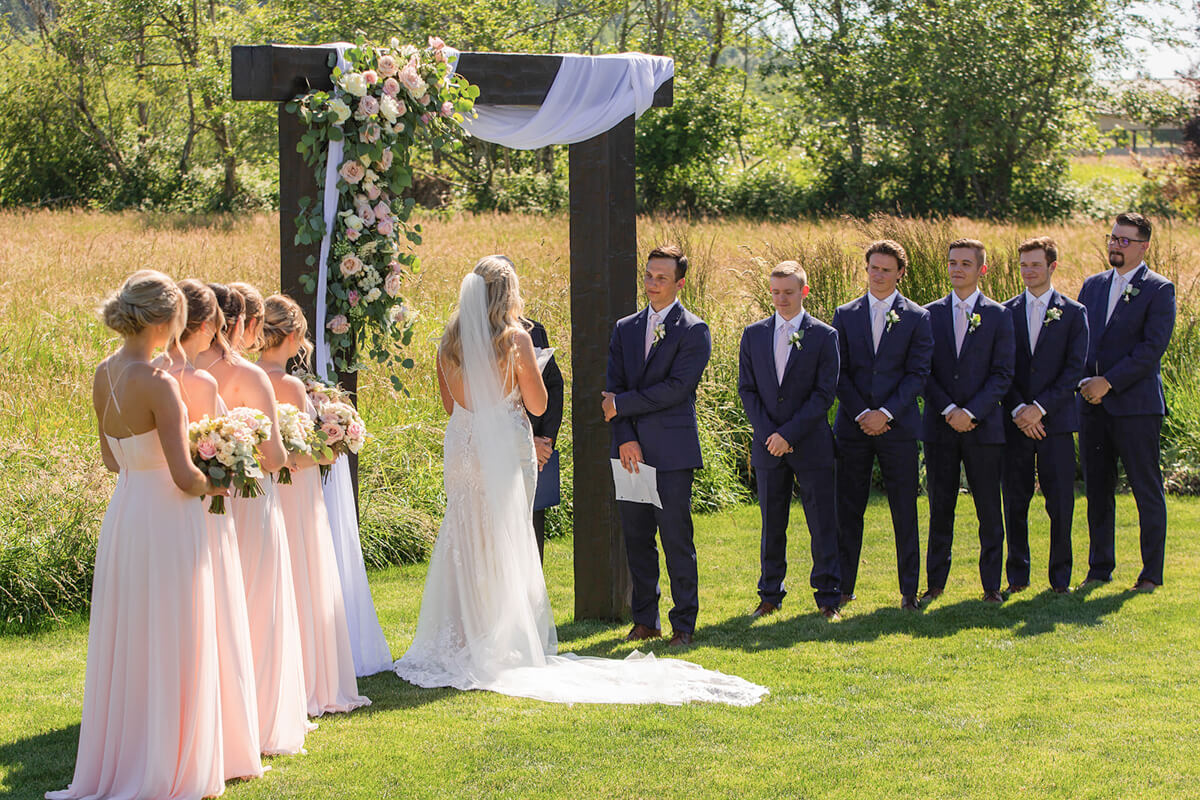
{"type": "Point", "coordinates": [391, 99]}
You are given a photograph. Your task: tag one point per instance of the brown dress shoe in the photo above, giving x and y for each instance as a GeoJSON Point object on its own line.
{"type": "Point", "coordinates": [847, 599]}
{"type": "Point", "coordinates": [1145, 586]}
{"type": "Point", "coordinates": [1061, 589]}
{"type": "Point", "coordinates": [932, 594]}
{"type": "Point", "coordinates": [910, 603]}
{"type": "Point", "coordinates": [830, 613]}
{"type": "Point", "coordinates": [993, 597]}
{"type": "Point", "coordinates": [1014, 588]}
{"type": "Point", "coordinates": [1089, 582]}
{"type": "Point", "coordinates": [764, 608]}
{"type": "Point", "coordinates": [680, 639]}
{"type": "Point", "coordinates": [640, 632]}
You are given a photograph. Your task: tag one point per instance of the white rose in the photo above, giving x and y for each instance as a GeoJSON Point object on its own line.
{"type": "Point", "coordinates": [354, 83]}
{"type": "Point", "coordinates": [388, 108]}
{"type": "Point", "coordinates": [354, 222]}
{"type": "Point", "coordinates": [339, 109]}
{"type": "Point", "coordinates": [373, 295]}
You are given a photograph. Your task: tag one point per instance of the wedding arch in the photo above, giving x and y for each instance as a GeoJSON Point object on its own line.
{"type": "Point", "coordinates": [603, 234]}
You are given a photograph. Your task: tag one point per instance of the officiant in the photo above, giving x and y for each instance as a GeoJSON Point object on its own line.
{"type": "Point", "coordinates": [545, 435]}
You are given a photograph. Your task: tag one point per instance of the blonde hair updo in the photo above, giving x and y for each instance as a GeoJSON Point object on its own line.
{"type": "Point", "coordinates": [148, 297]}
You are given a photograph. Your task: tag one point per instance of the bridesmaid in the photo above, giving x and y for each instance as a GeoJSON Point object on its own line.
{"type": "Point", "coordinates": [239, 702]}
{"type": "Point", "coordinates": [151, 718]}
{"type": "Point", "coordinates": [261, 540]}
{"type": "Point", "coordinates": [324, 634]}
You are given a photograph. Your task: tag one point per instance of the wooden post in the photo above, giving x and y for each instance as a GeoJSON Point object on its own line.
{"type": "Point", "coordinates": [603, 267]}
{"type": "Point", "coordinates": [603, 289]}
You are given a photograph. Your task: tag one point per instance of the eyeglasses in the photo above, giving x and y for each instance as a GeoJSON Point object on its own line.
{"type": "Point", "coordinates": [1122, 241]}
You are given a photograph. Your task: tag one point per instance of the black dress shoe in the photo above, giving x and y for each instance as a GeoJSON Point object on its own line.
{"type": "Point", "coordinates": [764, 608]}
{"type": "Point", "coordinates": [993, 597]}
{"type": "Point", "coordinates": [910, 603]}
{"type": "Point", "coordinates": [1014, 588]}
{"type": "Point", "coordinates": [932, 593]}
{"type": "Point", "coordinates": [1144, 586]}
{"type": "Point", "coordinates": [847, 599]}
{"type": "Point", "coordinates": [830, 613]}
{"type": "Point", "coordinates": [640, 632]}
{"type": "Point", "coordinates": [680, 639]}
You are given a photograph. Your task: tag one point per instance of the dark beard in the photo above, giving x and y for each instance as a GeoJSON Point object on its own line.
{"type": "Point", "coordinates": [1116, 259]}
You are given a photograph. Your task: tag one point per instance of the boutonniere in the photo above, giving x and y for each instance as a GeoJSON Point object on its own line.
{"type": "Point", "coordinates": [1130, 291]}
{"type": "Point", "coordinates": [974, 322]}
{"type": "Point", "coordinates": [1053, 314]}
{"type": "Point", "coordinates": [795, 339]}
{"type": "Point", "coordinates": [892, 318]}
{"type": "Point", "coordinates": [660, 332]}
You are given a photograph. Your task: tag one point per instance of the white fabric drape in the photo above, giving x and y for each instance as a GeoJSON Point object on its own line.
{"type": "Point", "coordinates": [590, 95]}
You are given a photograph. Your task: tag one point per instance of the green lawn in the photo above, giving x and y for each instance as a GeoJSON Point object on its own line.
{"type": "Point", "coordinates": [1091, 695]}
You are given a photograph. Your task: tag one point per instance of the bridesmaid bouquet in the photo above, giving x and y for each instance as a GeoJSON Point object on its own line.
{"type": "Point", "coordinates": [294, 425]}
{"type": "Point", "coordinates": [225, 449]}
{"type": "Point", "coordinates": [321, 391]}
{"type": "Point", "coordinates": [344, 429]}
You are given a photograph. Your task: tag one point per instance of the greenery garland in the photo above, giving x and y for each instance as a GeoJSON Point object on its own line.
{"type": "Point", "coordinates": [391, 99]}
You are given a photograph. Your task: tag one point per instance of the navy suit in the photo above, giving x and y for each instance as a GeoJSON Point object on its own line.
{"type": "Point", "coordinates": [546, 424]}
{"type": "Point", "coordinates": [975, 380]}
{"type": "Point", "coordinates": [891, 378]}
{"type": "Point", "coordinates": [1127, 350]}
{"type": "Point", "coordinates": [656, 407]}
{"type": "Point", "coordinates": [798, 410]}
{"type": "Point", "coordinates": [1047, 376]}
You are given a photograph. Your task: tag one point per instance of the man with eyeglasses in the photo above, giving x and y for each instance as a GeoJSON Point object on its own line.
{"type": "Point", "coordinates": [1131, 314]}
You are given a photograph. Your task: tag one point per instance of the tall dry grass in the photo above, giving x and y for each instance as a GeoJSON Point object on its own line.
{"type": "Point", "coordinates": [56, 267]}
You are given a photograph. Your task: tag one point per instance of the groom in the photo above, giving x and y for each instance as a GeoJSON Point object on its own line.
{"type": "Point", "coordinates": [655, 361]}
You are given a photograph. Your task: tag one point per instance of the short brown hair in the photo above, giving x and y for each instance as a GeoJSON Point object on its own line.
{"type": "Point", "coordinates": [790, 269]}
{"type": "Point", "coordinates": [973, 244]}
{"type": "Point", "coordinates": [1040, 243]}
{"type": "Point", "coordinates": [889, 248]}
{"type": "Point", "coordinates": [1138, 221]}
{"type": "Point", "coordinates": [673, 252]}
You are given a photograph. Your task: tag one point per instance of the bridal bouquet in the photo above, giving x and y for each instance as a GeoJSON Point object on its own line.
{"type": "Point", "coordinates": [226, 449]}
{"type": "Point", "coordinates": [294, 428]}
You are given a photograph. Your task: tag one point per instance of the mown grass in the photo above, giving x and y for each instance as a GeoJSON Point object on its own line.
{"type": "Point", "coordinates": [1084, 696]}
{"type": "Point", "coordinates": [56, 267]}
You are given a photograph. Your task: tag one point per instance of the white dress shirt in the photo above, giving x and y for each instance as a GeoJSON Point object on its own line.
{"type": "Point", "coordinates": [956, 304]}
{"type": "Point", "coordinates": [879, 309]}
{"type": "Point", "coordinates": [783, 352]}
{"type": "Point", "coordinates": [652, 322]}
{"type": "Point", "coordinates": [1116, 287]}
{"type": "Point", "coordinates": [1034, 321]}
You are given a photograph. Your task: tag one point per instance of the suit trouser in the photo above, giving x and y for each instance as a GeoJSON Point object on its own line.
{"type": "Point", "coordinates": [673, 522]}
{"type": "Point", "coordinates": [899, 466]}
{"type": "Point", "coordinates": [539, 532]}
{"type": "Point", "coordinates": [820, 512]}
{"type": "Point", "coordinates": [1054, 459]}
{"type": "Point", "coordinates": [1103, 439]}
{"type": "Point", "coordinates": [984, 466]}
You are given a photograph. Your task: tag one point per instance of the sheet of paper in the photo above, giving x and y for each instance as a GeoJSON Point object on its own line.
{"type": "Point", "coordinates": [543, 355]}
{"type": "Point", "coordinates": [636, 487]}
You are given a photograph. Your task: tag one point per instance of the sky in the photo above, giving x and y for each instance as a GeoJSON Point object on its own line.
{"type": "Point", "coordinates": [1164, 62]}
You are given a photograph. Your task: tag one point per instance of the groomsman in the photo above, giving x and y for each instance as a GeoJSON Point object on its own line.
{"type": "Point", "coordinates": [655, 361]}
{"type": "Point", "coordinates": [545, 433]}
{"type": "Point", "coordinates": [886, 343]}
{"type": "Point", "coordinates": [1051, 334]}
{"type": "Point", "coordinates": [787, 377]}
{"type": "Point", "coordinates": [963, 423]}
{"type": "Point", "coordinates": [1131, 314]}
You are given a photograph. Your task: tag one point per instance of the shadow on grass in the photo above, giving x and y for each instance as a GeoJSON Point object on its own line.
{"type": "Point", "coordinates": [1030, 615]}
{"type": "Point", "coordinates": [39, 764]}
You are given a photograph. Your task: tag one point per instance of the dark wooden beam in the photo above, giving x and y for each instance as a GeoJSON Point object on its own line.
{"type": "Point", "coordinates": [276, 72]}
{"type": "Point", "coordinates": [604, 272]}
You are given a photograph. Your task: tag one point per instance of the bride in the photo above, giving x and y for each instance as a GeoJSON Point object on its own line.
{"type": "Point", "coordinates": [485, 619]}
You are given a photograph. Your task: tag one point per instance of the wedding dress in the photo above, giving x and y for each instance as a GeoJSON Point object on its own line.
{"type": "Point", "coordinates": [485, 620]}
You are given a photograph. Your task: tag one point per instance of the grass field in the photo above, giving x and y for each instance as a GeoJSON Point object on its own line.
{"type": "Point", "coordinates": [1084, 696]}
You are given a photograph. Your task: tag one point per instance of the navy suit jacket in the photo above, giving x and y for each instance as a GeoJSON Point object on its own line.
{"type": "Point", "coordinates": [798, 408]}
{"type": "Point", "coordinates": [975, 380]}
{"type": "Point", "coordinates": [656, 394]}
{"type": "Point", "coordinates": [1048, 375]}
{"type": "Point", "coordinates": [892, 378]}
{"type": "Point", "coordinates": [1128, 350]}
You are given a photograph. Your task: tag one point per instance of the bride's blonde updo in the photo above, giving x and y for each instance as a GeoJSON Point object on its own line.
{"type": "Point", "coordinates": [504, 309]}
{"type": "Point", "coordinates": [282, 316]}
{"type": "Point", "coordinates": [254, 310]}
{"type": "Point", "coordinates": [147, 298]}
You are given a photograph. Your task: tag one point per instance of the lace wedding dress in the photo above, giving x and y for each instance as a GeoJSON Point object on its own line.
{"type": "Point", "coordinates": [485, 620]}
